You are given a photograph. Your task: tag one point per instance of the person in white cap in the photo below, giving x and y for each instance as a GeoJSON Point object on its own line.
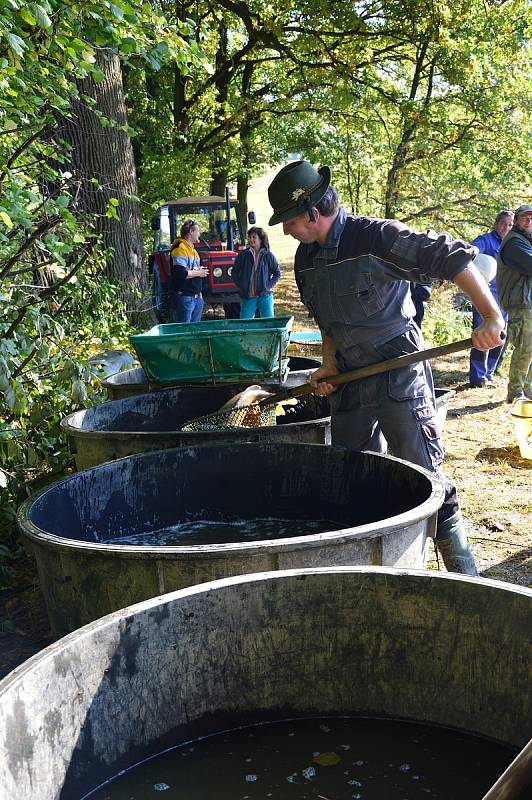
{"type": "Point", "coordinates": [353, 275]}
{"type": "Point", "coordinates": [514, 285]}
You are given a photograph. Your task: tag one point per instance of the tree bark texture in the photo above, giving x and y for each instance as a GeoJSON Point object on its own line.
{"type": "Point", "coordinates": [104, 152]}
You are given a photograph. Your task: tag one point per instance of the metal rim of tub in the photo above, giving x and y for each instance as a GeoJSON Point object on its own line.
{"type": "Point", "coordinates": [370, 530]}
{"type": "Point", "coordinates": [70, 429]}
{"type": "Point", "coordinates": [168, 598]}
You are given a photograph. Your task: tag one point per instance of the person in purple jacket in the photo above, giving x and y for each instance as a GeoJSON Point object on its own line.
{"type": "Point", "coordinates": [256, 272]}
{"type": "Point", "coordinates": [482, 363]}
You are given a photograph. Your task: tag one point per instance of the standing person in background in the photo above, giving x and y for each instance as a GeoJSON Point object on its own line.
{"type": "Point", "coordinates": [256, 272]}
{"type": "Point", "coordinates": [420, 294]}
{"type": "Point", "coordinates": [482, 364]}
{"type": "Point", "coordinates": [353, 275]}
{"type": "Point", "coordinates": [514, 284]}
{"type": "Point", "coordinates": [186, 300]}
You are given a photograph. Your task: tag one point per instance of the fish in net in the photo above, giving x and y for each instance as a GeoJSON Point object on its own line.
{"type": "Point", "coordinates": [248, 409]}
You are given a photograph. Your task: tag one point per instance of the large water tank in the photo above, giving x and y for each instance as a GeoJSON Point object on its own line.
{"type": "Point", "coordinates": [365, 641]}
{"type": "Point", "coordinates": [376, 510]}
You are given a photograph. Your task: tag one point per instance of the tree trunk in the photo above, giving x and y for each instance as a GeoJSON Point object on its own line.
{"type": "Point", "coordinates": [103, 153]}
{"type": "Point", "coordinates": [410, 125]}
{"type": "Point", "coordinates": [219, 168]}
{"type": "Point", "coordinates": [247, 160]}
{"type": "Point", "coordinates": [218, 183]}
{"type": "Point", "coordinates": [242, 185]}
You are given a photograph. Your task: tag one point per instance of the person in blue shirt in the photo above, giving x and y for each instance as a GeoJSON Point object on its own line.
{"type": "Point", "coordinates": [482, 364]}
{"type": "Point", "coordinates": [420, 294]}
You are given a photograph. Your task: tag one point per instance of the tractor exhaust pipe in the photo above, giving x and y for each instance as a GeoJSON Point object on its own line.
{"type": "Point", "coordinates": [228, 218]}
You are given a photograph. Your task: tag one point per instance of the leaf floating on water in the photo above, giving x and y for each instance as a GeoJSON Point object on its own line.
{"type": "Point", "coordinates": [327, 759]}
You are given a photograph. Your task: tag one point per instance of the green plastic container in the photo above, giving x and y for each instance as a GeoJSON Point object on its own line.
{"type": "Point", "coordinates": [216, 351]}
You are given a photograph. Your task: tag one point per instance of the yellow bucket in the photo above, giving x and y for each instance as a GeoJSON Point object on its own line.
{"type": "Point", "coordinates": [522, 416]}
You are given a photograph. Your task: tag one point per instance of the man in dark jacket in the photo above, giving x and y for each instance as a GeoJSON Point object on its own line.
{"type": "Point", "coordinates": [353, 275]}
{"type": "Point", "coordinates": [514, 285]}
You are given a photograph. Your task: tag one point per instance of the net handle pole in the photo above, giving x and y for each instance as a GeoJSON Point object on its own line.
{"type": "Point", "coordinates": [375, 369]}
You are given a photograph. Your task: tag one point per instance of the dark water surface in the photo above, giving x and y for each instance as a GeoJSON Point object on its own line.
{"type": "Point", "coordinates": [322, 759]}
{"type": "Point", "coordinates": [209, 531]}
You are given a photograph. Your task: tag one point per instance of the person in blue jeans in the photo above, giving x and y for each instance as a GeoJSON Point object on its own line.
{"type": "Point", "coordinates": [186, 298]}
{"type": "Point", "coordinates": [420, 294]}
{"type": "Point", "coordinates": [256, 272]}
{"type": "Point", "coordinates": [482, 364]}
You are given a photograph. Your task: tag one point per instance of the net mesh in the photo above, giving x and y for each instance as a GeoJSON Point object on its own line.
{"type": "Point", "coordinates": [252, 416]}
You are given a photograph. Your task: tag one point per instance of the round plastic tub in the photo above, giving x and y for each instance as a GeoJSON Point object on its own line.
{"type": "Point", "coordinates": [135, 381]}
{"type": "Point", "coordinates": [367, 641]}
{"type": "Point", "coordinates": [152, 421]}
{"type": "Point", "coordinates": [380, 509]}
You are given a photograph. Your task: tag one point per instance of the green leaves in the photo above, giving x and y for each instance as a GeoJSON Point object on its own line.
{"type": "Point", "coordinates": [35, 14]}
{"type": "Point", "coordinates": [6, 219]}
{"type": "Point", "coordinates": [16, 43]}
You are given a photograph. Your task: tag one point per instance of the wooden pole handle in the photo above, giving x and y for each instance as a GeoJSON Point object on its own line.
{"type": "Point", "coordinates": [375, 369]}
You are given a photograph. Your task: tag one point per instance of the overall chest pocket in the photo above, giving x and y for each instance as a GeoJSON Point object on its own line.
{"type": "Point", "coordinates": [356, 296]}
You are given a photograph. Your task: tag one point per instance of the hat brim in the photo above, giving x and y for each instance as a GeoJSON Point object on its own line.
{"type": "Point", "coordinates": [301, 208]}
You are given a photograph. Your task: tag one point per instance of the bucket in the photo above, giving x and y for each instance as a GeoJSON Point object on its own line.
{"type": "Point", "coordinates": [522, 417]}
{"type": "Point", "coordinates": [379, 510]}
{"type": "Point", "coordinates": [216, 351]}
{"type": "Point", "coordinates": [354, 641]}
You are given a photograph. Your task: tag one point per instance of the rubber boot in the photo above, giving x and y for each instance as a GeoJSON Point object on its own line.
{"type": "Point", "coordinates": [451, 542]}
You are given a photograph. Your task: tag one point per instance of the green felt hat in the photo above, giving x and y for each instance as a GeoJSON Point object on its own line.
{"type": "Point", "coordinates": [295, 189]}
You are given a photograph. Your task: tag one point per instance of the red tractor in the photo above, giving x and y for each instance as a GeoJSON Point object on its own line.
{"type": "Point", "coordinates": [221, 238]}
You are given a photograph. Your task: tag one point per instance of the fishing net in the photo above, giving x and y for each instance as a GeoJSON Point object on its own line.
{"type": "Point", "coordinates": [257, 415]}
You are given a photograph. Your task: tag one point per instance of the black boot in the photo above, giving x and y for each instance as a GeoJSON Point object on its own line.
{"type": "Point", "coordinates": [451, 542]}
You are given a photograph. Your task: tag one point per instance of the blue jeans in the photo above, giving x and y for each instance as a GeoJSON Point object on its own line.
{"type": "Point", "coordinates": [186, 308]}
{"type": "Point", "coordinates": [248, 306]}
{"type": "Point", "coordinates": [483, 363]}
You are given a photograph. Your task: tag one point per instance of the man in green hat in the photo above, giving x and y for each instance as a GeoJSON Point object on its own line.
{"type": "Point", "coordinates": [353, 275]}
